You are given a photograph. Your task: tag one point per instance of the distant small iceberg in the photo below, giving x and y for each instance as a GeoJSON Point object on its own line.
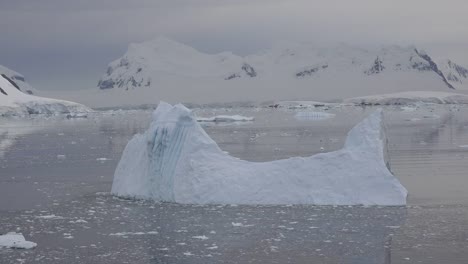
{"type": "Point", "coordinates": [313, 116]}
{"type": "Point", "coordinates": [176, 161]}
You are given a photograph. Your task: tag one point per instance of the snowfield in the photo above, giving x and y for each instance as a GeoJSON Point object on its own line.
{"type": "Point", "coordinates": [13, 102]}
{"type": "Point", "coordinates": [176, 161]}
{"type": "Point", "coordinates": [16, 241]}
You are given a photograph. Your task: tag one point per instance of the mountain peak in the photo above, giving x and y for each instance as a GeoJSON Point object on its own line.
{"type": "Point", "coordinates": [162, 61]}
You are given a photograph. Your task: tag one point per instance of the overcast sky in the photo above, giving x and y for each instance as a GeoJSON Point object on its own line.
{"type": "Point", "coordinates": [67, 44]}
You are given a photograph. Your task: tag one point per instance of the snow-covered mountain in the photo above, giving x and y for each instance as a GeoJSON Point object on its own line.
{"type": "Point", "coordinates": [303, 70]}
{"type": "Point", "coordinates": [16, 80]}
{"type": "Point", "coordinates": [163, 69]}
{"type": "Point", "coordinates": [456, 75]}
{"type": "Point", "coordinates": [13, 102]}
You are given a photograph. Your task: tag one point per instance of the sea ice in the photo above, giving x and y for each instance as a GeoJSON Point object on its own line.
{"type": "Point", "coordinates": [410, 98]}
{"type": "Point", "coordinates": [15, 240]}
{"type": "Point", "coordinates": [175, 160]}
{"type": "Point", "coordinates": [225, 118]}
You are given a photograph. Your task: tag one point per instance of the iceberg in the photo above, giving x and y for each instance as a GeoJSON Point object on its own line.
{"type": "Point", "coordinates": [313, 116]}
{"type": "Point", "coordinates": [176, 161]}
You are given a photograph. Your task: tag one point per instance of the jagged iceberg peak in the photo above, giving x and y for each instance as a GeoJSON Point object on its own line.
{"type": "Point", "coordinates": [176, 161]}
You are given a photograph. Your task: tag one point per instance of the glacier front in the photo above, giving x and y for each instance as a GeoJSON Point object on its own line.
{"type": "Point", "coordinates": [176, 161]}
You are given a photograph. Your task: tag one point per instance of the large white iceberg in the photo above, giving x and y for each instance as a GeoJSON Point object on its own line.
{"type": "Point", "coordinates": [176, 161]}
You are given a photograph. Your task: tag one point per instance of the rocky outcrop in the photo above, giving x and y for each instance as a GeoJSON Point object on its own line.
{"type": "Point", "coordinates": [430, 66]}
{"type": "Point", "coordinates": [376, 68]}
{"type": "Point", "coordinates": [310, 71]}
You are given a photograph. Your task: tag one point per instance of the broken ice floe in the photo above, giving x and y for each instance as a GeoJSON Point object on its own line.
{"type": "Point", "coordinates": [16, 241]}
{"type": "Point", "coordinates": [124, 234]}
{"type": "Point", "coordinates": [175, 160]}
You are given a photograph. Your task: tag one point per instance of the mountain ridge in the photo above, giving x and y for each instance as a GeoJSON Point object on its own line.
{"type": "Point", "coordinates": [148, 62]}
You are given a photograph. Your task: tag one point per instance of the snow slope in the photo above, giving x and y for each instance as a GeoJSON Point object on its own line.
{"type": "Point", "coordinates": [175, 160]}
{"type": "Point", "coordinates": [16, 80]}
{"type": "Point", "coordinates": [14, 102]}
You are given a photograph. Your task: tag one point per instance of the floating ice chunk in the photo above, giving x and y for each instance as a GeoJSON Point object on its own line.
{"type": "Point", "coordinates": [175, 160]}
{"type": "Point", "coordinates": [15, 240]}
{"type": "Point", "coordinates": [78, 221]}
{"type": "Point", "coordinates": [313, 115]}
{"type": "Point", "coordinates": [240, 225]}
{"type": "Point", "coordinates": [51, 217]}
{"type": "Point", "coordinates": [225, 118]}
{"type": "Point", "coordinates": [134, 233]}
{"type": "Point", "coordinates": [201, 237]}
{"type": "Point", "coordinates": [407, 108]}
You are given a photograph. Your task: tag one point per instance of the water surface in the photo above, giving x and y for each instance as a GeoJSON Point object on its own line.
{"type": "Point", "coordinates": [55, 176]}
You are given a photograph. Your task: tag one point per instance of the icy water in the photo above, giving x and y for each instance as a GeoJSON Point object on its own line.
{"type": "Point", "coordinates": [56, 174]}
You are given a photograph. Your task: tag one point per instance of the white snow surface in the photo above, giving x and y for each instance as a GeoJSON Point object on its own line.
{"type": "Point", "coordinates": [14, 102]}
{"type": "Point", "coordinates": [176, 161]}
{"type": "Point", "coordinates": [411, 98]}
{"type": "Point", "coordinates": [15, 240]}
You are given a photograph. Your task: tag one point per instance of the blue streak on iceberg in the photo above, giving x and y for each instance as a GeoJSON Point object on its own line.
{"type": "Point", "coordinates": [176, 161]}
